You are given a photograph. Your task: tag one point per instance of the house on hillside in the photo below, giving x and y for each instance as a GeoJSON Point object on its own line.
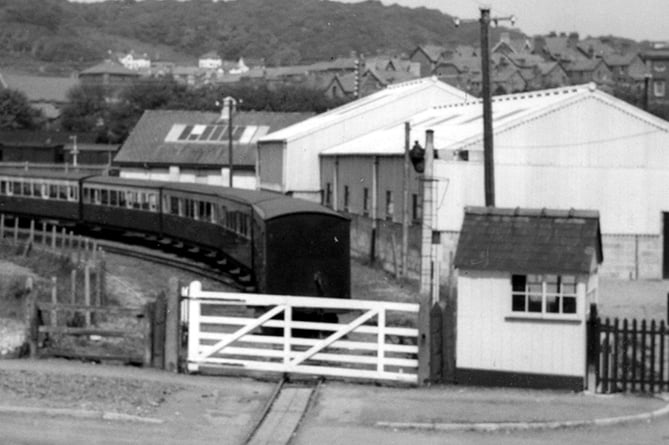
{"type": "Point", "coordinates": [288, 159]}
{"type": "Point", "coordinates": [612, 153]}
{"type": "Point", "coordinates": [136, 62]}
{"type": "Point", "coordinates": [657, 65]}
{"type": "Point", "coordinates": [427, 57]}
{"type": "Point", "coordinates": [210, 61]}
{"type": "Point", "coordinates": [526, 279]}
{"type": "Point", "coordinates": [589, 70]}
{"type": "Point", "coordinates": [110, 75]}
{"type": "Point", "coordinates": [626, 69]}
{"type": "Point", "coordinates": [507, 46]}
{"type": "Point", "coordinates": [192, 146]}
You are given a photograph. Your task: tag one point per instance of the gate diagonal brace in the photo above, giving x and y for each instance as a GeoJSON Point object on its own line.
{"type": "Point", "coordinates": [333, 337]}
{"type": "Point", "coordinates": [241, 332]}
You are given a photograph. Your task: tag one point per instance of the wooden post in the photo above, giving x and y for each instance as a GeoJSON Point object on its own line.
{"type": "Point", "coordinates": [101, 266]}
{"type": "Point", "coordinates": [79, 243]}
{"type": "Point", "coordinates": [16, 229]}
{"type": "Point", "coordinates": [2, 226]}
{"type": "Point", "coordinates": [95, 250]}
{"type": "Point", "coordinates": [448, 344]}
{"type": "Point", "coordinates": [405, 198]}
{"type": "Point", "coordinates": [98, 283]}
{"type": "Point", "coordinates": [149, 309]}
{"type": "Point", "coordinates": [44, 241]}
{"type": "Point", "coordinates": [62, 238]}
{"type": "Point", "coordinates": [87, 292]}
{"type": "Point", "coordinates": [53, 237]}
{"type": "Point", "coordinates": [31, 319]}
{"type": "Point", "coordinates": [31, 236]}
{"type": "Point", "coordinates": [54, 300]}
{"type": "Point", "coordinates": [172, 326]}
{"type": "Point", "coordinates": [424, 342]}
{"type": "Point", "coordinates": [159, 316]}
{"type": "Point", "coordinates": [73, 285]}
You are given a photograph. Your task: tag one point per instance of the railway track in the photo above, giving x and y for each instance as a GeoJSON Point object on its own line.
{"type": "Point", "coordinates": [171, 260]}
{"type": "Point", "coordinates": [283, 413]}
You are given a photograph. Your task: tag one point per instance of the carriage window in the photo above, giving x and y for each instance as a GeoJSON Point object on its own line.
{"type": "Point", "coordinates": [37, 189]}
{"type": "Point", "coordinates": [44, 191]}
{"type": "Point", "coordinates": [113, 198]}
{"type": "Point", "coordinates": [3, 187]}
{"type": "Point", "coordinates": [62, 192]}
{"type": "Point", "coordinates": [87, 195]}
{"type": "Point", "coordinates": [121, 199]}
{"type": "Point", "coordinates": [104, 197]}
{"type": "Point", "coordinates": [16, 187]}
{"type": "Point", "coordinates": [152, 202]}
{"type": "Point", "coordinates": [222, 216]}
{"type": "Point", "coordinates": [129, 199]}
{"type": "Point", "coordinates": [96, 196]}
{"type": "Point", "coordinates": [137, 200]}
{"type": "Point", "coordinates": [145, 200]}
{"type": "Point", "coordinates": [53, 191]}
{"type": "Point", "coordinates": [182, 211]}
{"type": "Point", "coordinates": [10, 188]}
{"type": "Point", "coordinates": [26, 189]}
{"type": "Point", "coordinates": [211, 210]}
{"type": "Point", "coordinates": [174, 205]}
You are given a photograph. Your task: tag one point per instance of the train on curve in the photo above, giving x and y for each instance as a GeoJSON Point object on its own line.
{"type": "Point", "coordinates": [278, 244]}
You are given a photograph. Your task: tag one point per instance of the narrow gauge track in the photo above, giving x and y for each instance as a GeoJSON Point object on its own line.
{"type": "Point", "coordinates": [283, 413]}
{"type": "Point", "coordinates": [184, 264]}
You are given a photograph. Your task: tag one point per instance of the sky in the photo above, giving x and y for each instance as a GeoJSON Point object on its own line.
{"type": "Point", "coordinates": [634, 19]}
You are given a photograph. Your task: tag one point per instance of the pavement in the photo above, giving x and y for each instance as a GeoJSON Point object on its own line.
{"type": "Point", "coordinates": [233, 405]}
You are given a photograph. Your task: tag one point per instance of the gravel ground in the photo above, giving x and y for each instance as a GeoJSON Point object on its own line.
{"type": "Point", "coordinates": [52, 390]}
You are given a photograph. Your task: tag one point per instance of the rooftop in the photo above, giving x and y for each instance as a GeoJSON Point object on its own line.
{"type": "Point", "coordinates": [529, 241]}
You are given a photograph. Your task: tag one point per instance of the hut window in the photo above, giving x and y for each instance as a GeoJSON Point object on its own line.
{"type": "Point", "coordinates": [543, 294]}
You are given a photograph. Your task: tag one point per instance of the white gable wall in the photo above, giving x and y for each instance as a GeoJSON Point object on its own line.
{"type": "Point", "coordinates": [302, 173]}
{"type": "Point", "coordinates": [589, 155]}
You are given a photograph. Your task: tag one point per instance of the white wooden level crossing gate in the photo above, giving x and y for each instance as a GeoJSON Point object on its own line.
{"type": "Point", "coordinates": [370, 340]}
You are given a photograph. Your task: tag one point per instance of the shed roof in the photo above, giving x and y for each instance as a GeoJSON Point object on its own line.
{"type": "Point", "coordinates": [157, 138]}
{"type": "Point", "coordinates": [530, 241]}
{"type": "Point", "coordinates": [457, 126]}
{"type": "Point", "coordinates": [362, 106]}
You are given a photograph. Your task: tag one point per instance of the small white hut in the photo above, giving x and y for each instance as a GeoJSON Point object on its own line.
{"type": "Point", "coordinates": [526, 279]}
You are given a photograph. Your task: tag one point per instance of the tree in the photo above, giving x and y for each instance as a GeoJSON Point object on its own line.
{"type": "Point", "coordinates": [87, 110]}
{"type": "Point", "coordinates": [16, 112]}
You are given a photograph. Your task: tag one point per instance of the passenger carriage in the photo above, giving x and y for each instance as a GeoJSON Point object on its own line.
{"type": "Point", "coordinates": [122, 204]}
{"type": "Point", "coordinates": [41, 194]}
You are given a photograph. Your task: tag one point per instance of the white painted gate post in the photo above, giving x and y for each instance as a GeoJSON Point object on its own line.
{"type": "Point", "coordinates": [193, 326]}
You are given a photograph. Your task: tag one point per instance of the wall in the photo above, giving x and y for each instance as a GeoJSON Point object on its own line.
{"type": "Point", "coordinates": [242, 179]}
{"type": "Point", "coordinates": [488, 341]}
{"type": "Point", "coordinates": [390, 106]}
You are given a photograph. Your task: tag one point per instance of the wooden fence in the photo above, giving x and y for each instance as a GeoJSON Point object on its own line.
{"type": "Point", "coordinates": [631, 356]}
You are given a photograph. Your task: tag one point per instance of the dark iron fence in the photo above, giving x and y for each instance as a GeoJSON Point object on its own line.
{"type": "Point", "coordinates": [631, 356]}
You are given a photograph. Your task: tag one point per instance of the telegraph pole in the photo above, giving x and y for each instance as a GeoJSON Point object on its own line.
{"type": "Point", "coordinates": [488, 159]}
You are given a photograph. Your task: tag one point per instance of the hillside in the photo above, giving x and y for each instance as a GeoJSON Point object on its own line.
{"type": "Point", "coordinates": [59, 34]}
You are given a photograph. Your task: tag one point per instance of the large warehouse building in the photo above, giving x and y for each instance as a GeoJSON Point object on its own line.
{"type": "Point", "coordinates": [572, 147]}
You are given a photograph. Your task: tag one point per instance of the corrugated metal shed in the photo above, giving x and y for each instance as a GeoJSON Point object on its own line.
{"type": "Point", "coordinates": [361, 107]}
{"type": "Point", "coordinates": [529, 241]}
{"type": "Point", "coordinates": [155, 140]}
{"type": "Point", "coordinates": [459, 126]}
